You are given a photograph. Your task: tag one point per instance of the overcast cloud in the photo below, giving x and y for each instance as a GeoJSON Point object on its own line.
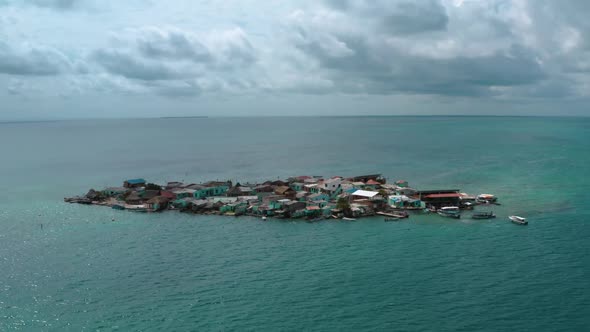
{"type": "Point", "coordinates": [87, 58]}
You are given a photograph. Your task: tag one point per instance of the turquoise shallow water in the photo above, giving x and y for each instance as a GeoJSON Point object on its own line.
{"type": "Point", "coordinates": [80, 271]}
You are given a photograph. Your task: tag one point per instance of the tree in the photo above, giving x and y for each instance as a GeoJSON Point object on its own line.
{"type": "Point", "coordinates": [152, 186]}
{"type": "Point", "coordinates": [342, 204]}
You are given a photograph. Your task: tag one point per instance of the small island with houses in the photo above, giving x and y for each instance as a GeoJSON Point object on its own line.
{"type": "Point", "coordinates": [310, 198]}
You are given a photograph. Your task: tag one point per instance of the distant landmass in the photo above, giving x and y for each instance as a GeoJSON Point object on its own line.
{"type": "Point", "coordinates": [183, 117]}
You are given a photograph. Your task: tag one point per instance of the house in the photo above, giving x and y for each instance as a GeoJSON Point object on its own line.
{"type": "Point", "coordinates": [301, 196]}
{"type": "Point", "coordinates": [149, 194]}
{"type": "Point", "coordinates": [402, 183]}
{"type": "Point", "coordinates": [277, 204]}
{"type": "Point", "coordinates": [114, 191]}
{"type": "Point", "coordinates": [275, 183]}
{"type": "Point", "coordinates": [211, 188]}
{"type": "Point", "coordinates": [239, 190]}
{"type": "Point", "coordinates": [440, 198]}
{"type": "Point", "coordinates": [372, 185]}
{"type": "Point", "coordinates": [364, 194]}
{"type": "Point", "coordinates": [133, 198]}
{"type": "Point", "coordinates": [285, 191]}
{"type": "Point", "coordinates": [313, 211]}
{"type": "Point", "coordinates": [168, 194]}
{"type": "Point", "coordinates": [313, 188]}
{"type": "Point", "coordinates": [184, 193]}
{"type": "Point", "coordinates": [264, 188]}
{"type": "Point", "coordinates": [224, 200]}
{"type": "Point", "coordinates": [134, 183]}
{"type": "Point", "coordinates": [402, 201]}
{"type": "Point", "coordinates": [297, 186]}
{"type": "Point", "coordinates": [157, 203]}
{"type": "Point", "coordinates": [318, 197]}
{"type": "Point", "coordinates": [293, 206]}
{"type": "Point", "coordinates": [332, 186]}
{"type": "Point", "coordinates": [233, 207]}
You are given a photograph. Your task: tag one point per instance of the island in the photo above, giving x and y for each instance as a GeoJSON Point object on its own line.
{"type": "Point", "coordinates": [310, 198]}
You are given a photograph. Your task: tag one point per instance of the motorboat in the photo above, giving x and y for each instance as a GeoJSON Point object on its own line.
{"type": "Point", "coordinates": [518, 220]}
{"type": "Point", "coordinates": [449, 212]}
{"type": "Point", "coordinates": [483, 215]}
{"type": "Point", "coordinates": [485, 199]}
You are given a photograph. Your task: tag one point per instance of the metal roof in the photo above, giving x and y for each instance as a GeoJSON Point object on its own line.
{"type": "Point", "coordinates": [365, 193]}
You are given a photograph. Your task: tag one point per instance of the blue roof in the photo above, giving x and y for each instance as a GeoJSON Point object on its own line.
{"type": "Point", "coordinates": [135, 181]}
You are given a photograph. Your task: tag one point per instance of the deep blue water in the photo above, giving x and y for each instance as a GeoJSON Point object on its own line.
{"type": "Point", "coordinates": [69, 267]}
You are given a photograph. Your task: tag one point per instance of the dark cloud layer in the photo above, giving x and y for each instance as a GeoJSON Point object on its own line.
{"type": "Point", "coordinates": [485, 50]}
{"type": "Point", "coordinates": [423, 47]}
{"type": "Point", "coordinates": [34, 61]}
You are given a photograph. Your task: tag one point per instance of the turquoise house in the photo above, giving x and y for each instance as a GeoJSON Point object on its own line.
{"type": "Point", "coordinates": [297, 186]}
{"type": "Point", "coordinates": [318, 197]}
{"type": "Point", "coordinates": [209, 190]}
{"type": "Point", "coordinates": [114, 191]}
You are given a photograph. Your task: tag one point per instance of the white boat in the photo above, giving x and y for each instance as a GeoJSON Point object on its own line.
{"type": "Point", "coordinates": [485, 198]}
{"type": "Point", "coordinates": [349, 219]}
{"type": "Point", "coordinates": [518, 220]}
{"type": "Point", "coordinates": [263, 218]}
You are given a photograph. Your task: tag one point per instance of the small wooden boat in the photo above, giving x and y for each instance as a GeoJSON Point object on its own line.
{"type": "Point", "coordinates": [518, 220]}
{"type": "Point", "coordinates": [483, 215]}
{"type": "Point", "coordinates": [390, 219]}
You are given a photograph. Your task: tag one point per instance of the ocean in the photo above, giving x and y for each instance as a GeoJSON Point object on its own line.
{"type": "Point", "coordinates": [71, 268]}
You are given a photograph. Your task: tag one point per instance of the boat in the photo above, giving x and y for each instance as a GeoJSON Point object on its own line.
{"type": "Point", "coordinates": [263, 218]}
{"type": "Point", "coordinates": [485, 199]}
{"type": "Point", "coordinates": [449, 215]}
{"type": "Point", "coordinates": [349, 219]}
{"type": "Point", "coordinates": [118, 207]}
{"type": "Point", "coordinates": [398, 215]}
{"type": "Point", "coordinates": [483, 215]}
{"type": "Point", "coordinates": [518, 220]}
{"type": "Point", "coordinates": [390, 219]}
{"type": "Point", "coordinates": [449, 212]}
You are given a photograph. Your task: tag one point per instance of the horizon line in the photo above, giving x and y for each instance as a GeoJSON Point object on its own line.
{"type": "Point", "coordinates": [294, 116]}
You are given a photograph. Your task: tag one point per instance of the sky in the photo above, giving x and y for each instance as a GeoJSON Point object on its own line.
{"type": "Point", "coordinates": [63, 59]}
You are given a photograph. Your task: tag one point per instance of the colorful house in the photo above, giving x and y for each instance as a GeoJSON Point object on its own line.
{"type": "Point", "coordinates": [157, 203]}
{"type": "Point", "coordinates": [184, 193]}
{"type": "Point", "coordinates": [297, 186]}
{"type": "Point", "coordinates": [114, 191]}
{"type": "Point", "coordinates": [209, 189]}
{"type": "Point", "coordinates": [318, 197]}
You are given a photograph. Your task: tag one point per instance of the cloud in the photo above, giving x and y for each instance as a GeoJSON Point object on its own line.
{"type": "Point", "coordinates": [177, 62]}
{"type": "Point", "coordinates": [55, 4]}
{"type": "Point", "coordinates": [393, 47]}
{"type": "Point", "coordinates": [32, 60]}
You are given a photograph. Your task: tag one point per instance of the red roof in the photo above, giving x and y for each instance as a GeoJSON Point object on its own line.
{"type": "Point", "coordinates": [313, 207]}
{"type": "Point", "coordinates": [450, 195]}
{"type": "Point", "coordinates": [167, 194]}
{"type": "Point", "coordinates": [373, 182]}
